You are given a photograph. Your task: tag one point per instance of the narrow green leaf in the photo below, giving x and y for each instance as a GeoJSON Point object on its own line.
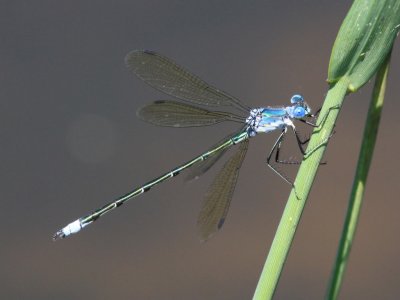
{"type": "Point", "coordinates": [360, 180]}
{"type": "Point", "coordinates": [364, 40]}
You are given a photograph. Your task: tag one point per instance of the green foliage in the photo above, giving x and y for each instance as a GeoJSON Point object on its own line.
{"type": "Point", "coordinates": [360, 180]}
{"type": "Point", "coordinates": [364, 40]}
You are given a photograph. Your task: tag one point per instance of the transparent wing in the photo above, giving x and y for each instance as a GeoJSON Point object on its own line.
{"type": "Point", "coordinates": [177, 114]}
{"type": "Point", "coordinates": [218, 198]}
{"type": "Point", "coordinates": [200, 168]}
{"type": "Point", "coordinates": [166, 76]}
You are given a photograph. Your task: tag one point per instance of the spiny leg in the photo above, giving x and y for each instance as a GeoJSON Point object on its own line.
{"type": "Point", "coordinates": [307, 153]}
{"type": "Point", "coordinates": [300, 144]}
{"type": "Point", "coordinates": [277, 146]}
{"type": "Point", "coordinates": [316, 115]}
{"type": "Point", "coordinates": [286, 161]}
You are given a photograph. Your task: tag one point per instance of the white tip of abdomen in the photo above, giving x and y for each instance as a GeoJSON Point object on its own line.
{"type": "Point", "coordinates": [71, 228]}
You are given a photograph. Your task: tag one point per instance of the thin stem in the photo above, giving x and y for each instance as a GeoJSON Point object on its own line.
{"type": "Point", "coordinates": [356, 196]}
{"type": "Point", "coordinates": [302, 186]}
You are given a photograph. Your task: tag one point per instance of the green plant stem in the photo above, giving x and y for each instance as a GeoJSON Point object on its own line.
{"type": "Point", "coordinates": [356, 196]}
{"type": "Point", "coordinates": [297, 199]}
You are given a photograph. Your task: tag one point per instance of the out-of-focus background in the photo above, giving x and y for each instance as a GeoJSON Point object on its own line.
{"type": "Point", "coordinates": [71, 141]}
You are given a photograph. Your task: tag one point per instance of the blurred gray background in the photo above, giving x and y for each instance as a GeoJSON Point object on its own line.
{"type": "Point", "coordinates": [70, 142]}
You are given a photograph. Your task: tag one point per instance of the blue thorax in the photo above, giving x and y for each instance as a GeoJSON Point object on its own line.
{"type": "Point", "coordinates": [266, 119]}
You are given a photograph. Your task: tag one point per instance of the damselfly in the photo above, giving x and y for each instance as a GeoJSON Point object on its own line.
{"type": "Point", "coordinates": [166, 76]}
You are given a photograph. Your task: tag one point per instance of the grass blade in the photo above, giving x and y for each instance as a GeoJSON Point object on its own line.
{"type": "Point", "coordinates": [356, 197]}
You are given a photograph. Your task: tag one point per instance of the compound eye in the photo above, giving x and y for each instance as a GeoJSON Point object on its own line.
{"type": "Point", "coordinates": [299, 112]}
{"type": "Point", "coordinates": [296, 99]}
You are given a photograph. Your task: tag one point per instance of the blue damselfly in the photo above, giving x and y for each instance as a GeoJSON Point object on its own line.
{"type": "Point", "coordinates": [164, 75]}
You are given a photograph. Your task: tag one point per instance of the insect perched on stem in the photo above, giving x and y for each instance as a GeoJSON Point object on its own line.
{"type": "Point", "coordinates": [166, 76]}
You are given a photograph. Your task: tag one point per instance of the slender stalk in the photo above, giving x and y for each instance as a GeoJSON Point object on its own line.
{"type": "Point", "coordinates": [297, 199]}
{"type": "Point", "coordinates": [356, 196]}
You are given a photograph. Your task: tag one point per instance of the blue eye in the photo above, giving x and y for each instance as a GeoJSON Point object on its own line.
{"type": "Point", "coordinates": [297, 99]}
{"type": "Point", "coordinates": [299, 112]}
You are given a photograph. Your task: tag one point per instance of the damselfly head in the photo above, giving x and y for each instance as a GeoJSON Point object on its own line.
{"type": "Point", "coordinates": [300, 109]}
